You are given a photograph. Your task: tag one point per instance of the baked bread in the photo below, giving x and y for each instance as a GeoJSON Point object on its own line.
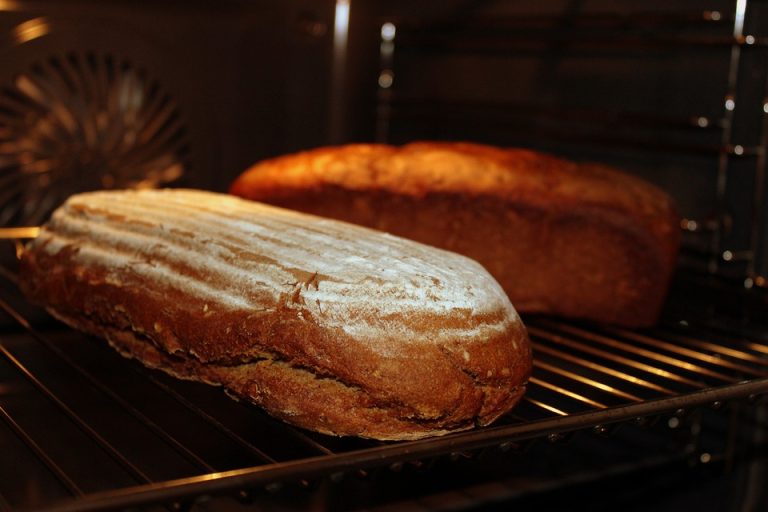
{"type": "Point", "coordinates": [326, 325]}
{"type": "Point", "coordinates": [568, 239]}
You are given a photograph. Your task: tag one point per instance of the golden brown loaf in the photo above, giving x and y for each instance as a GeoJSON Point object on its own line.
{"type": "Point", "coordinates": [577, 240]}
{"type": "Point", "coordinates": [329, 326]}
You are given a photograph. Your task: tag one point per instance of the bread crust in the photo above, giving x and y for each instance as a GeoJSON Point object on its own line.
{"type": "Point", "coordinates": [576, 240]}
{"type": "Point", "coordinates": [282, 354]}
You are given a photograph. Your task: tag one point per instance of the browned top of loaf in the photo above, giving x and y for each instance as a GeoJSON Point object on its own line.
{"type": "Point", "coordinates": [420, 168]}
{"type": "Point", "coordinates": [423, 333]}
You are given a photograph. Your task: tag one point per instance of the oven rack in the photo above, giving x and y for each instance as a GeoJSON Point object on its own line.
{"type": "Point", "coordinates": [88, 430]}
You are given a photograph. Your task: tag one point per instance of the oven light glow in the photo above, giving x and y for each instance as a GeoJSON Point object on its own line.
{"type": "Point", "coordinates": [388, 31]}
{"type": "Point", "coordinates": [337, 89]}
{"type": "Point", "coordinates": [690, 225]}
{"type": "Point", "coordinates": [31, 29]}
{"type": "Point", "coordinates": [341, 24]}
{"type": "Point", "coordinates": [738, 19]}
{"type": "Point", "coordinates": [386, 78]}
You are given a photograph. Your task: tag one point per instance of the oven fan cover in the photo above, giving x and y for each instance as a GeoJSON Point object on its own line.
{"type": "Point", "coordinates": [84, 121]}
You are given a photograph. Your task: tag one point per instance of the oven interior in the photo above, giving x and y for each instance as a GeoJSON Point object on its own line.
{"type": "Point", "coordinates": [126, 94]}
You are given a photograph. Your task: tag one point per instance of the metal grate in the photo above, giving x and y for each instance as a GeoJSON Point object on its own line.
{"type": "Point", "coordinates": [87, 429]}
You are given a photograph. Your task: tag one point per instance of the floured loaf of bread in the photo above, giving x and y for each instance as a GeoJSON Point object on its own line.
{"type": "Point", "coordinates": [577, 240]}
{"type": "Point", "coordinates": [326, 325]}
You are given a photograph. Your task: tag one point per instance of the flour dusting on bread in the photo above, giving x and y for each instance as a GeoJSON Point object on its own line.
{"type": "Point", "coordinates": [252, 252]}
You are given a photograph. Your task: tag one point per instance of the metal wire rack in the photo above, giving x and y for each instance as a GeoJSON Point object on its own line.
{"type": "Point", "coordinates": [86, 429]}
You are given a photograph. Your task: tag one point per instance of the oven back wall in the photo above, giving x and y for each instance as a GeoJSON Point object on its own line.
{"type": "Point", "coordinates": [671, 90]}
{"type": "Point", "coordinates": [96, 94]}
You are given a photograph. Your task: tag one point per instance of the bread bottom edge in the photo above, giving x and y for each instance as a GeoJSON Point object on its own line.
{"type": "Point", "coordinates": [293, 395]}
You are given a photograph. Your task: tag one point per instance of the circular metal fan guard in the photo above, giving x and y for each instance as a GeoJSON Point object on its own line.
{"type": "Point", "coordinates": [83, 121]}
